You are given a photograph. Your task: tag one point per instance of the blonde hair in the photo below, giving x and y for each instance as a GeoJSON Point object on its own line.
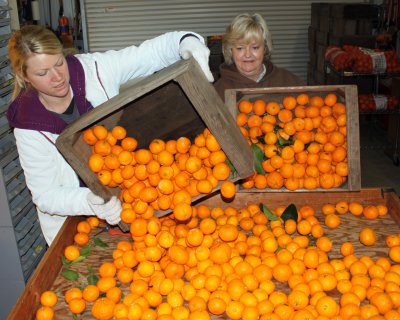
{"type": "Point", "coordinates": [246, 27]}
{"type": "Point", "coordinates": [23, 43]}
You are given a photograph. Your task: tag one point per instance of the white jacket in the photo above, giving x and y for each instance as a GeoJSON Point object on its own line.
{"type": "Point", "coordinates": [52, 181]}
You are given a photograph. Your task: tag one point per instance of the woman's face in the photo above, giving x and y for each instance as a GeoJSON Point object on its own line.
{"type": "Point", "coordinates": [248, 58]}
{"type": "Point", "coordinates": [48, 74]}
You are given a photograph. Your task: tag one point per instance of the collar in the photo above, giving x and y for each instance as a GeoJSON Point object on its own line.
{"type": "Point", "coordinates": [262, 74]}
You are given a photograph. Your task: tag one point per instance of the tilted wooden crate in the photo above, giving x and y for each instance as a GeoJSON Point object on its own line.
{"type": "Point", "coordinates": [174, 102]}
{"type": "Point", "coordinates": [346, 94]}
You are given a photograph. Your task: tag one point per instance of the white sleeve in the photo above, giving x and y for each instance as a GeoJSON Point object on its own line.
{"type": "Point", "coordinates": [115, 67]}
{"type": "Point", "coordinates": [53, 183]}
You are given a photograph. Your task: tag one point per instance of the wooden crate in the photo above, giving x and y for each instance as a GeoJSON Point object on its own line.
{"type": "Point", "coordinates": [346, 94]}
{"type": "Point", "coordinates": [47, 275]}
{"type": "Point", "coordinates": [177, 101]}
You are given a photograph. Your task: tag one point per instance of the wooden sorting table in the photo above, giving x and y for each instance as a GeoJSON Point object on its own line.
{"type": "Point", "coordinates": [47, 275]}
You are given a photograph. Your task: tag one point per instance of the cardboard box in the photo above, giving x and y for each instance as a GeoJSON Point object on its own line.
{"type": "Point", "coordinates": [354, 11]}
{"type": "Point", "coordinates": [346, 94]}
{"type": "Point", "coordinates": [365, 41]}
{"type": "Point", "coordinates": [311, 39]}
{"type": "Point", "coordinates": [318, 10]}
{"type": "Point", "coordinates": [174, 102]}
{"type": "Point", "coordinates": [320, 63]}
{"type": "Point", "coordinates": [341, 26]}
{"type": "Point", "coordinates": [322, 38]}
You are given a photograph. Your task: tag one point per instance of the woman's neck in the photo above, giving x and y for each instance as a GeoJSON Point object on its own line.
{"type": "Point", "coordinates": [56, 104]}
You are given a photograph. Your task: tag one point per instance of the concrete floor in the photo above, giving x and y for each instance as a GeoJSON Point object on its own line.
{"type": "Point", "coordinates": [377, 166]}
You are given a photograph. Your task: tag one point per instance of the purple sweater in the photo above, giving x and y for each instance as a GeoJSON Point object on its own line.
{"type": "Point", "coordinates": [27, 112]}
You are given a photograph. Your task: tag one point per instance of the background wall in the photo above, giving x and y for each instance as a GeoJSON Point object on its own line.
{"type": "Point", "coordinates": [115, 24]}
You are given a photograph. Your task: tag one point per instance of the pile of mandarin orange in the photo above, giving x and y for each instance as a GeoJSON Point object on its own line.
{"type": "Point", "coordinates": [166, 175]}
{"type": "Point", "coordinates": [240, 264]}
{"type": "Point", "coordinates": [303, 139]}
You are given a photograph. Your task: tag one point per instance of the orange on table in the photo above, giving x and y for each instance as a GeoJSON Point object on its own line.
{"type": "Point", "coordinates": [228, 189]}
{"type": "Point", "coordinates": [44, 313]}
{"type": "Point", "coordinates": [81, 238]}
{"type": "Point", "coordinates": [394, 253]}
{"type": "Point", "coordinates": [103, 308]}
{"type": "Point", "coordinates": [71, 252]}
{"type": "Point", "coordinates": [48, 298]}
{"type": "Point", "coordinates": [72, 293]}
{"type": "Point", "coordinates": [77, 305]}
{"type": "Point", "coordinates": [90, 293]}
{"type": "Point", "coordinates": [370, 212]}
{"type": "Point", "coordinates": [367, 236]}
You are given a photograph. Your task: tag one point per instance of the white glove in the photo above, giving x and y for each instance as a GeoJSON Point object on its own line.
{"type": "Point", "coordinates": [192, 46]}
{"type": "Point", "coordinates": [109, 211]}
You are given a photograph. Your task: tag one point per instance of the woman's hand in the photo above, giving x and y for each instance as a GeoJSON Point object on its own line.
{"type": "Point", "coordinates": [109, 211]}
{"type": "Point", "coordinates": [192, 46]}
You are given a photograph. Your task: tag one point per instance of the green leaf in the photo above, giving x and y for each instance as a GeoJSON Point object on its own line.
{"type": "Point", "coordinates": [277, 128]}
{"type": "Point", "coordinates": [65, 262]}
{"type": "Point", "coordinates": [260, 139]}
{"type": "Point", "coordinates": [86, 250]}
{"type": "Point", "coordinates": [258, 155]}
{"type": "Point", "coordinates": [79, 259]}
{"type": "Point", "coordinates": [290, 213]}
{"type": "Point", "coordinates": [70, 274]}
{"type": "Point", "coordinates": [90, 269]}
{"type": "Point", "coordinates": [268, 213]}
{"type": "Point", "coordinates": [278, 249]}
{"type": "Point", "coordinates": [229, 163]}
{"type": "Point", "coordinates": [100, 243]}
{"type": "Point", "coordinates": [74, 316]}
{"type": "Point", "coordinates": [92, 279]}
{"type": "Point", "coordinates": [283, 142]}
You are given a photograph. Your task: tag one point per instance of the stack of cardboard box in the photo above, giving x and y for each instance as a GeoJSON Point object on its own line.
{"type": "Point", "coordinates": [340, 24]}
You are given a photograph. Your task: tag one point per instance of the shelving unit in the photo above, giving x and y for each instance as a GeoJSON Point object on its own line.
{"type": "Point", "coordinates": [339, 24]}
{"type": "Point", "coordinates": [22, 244]}
{"type": "Point", "coordinates": [375, 76]}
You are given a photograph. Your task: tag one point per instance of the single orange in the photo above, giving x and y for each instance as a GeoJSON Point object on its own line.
{"type": "Point", "coordinates": [367, 236]}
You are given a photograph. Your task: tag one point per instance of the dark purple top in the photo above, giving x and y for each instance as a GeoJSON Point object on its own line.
{"type": "Point", "coordinates": [27, 112]}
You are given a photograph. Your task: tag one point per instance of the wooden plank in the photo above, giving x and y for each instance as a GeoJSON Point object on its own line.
{"type": "Point", "coordinates": [347, 94]}
{"type": "Point", "coordinates": [218, 119]}
{"type": "Point", "coordinates": [47, 275]}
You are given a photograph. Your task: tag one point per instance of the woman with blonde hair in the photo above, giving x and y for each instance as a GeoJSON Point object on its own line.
{"type": "Point", "coordinates": [52, 90]}
{"type": "Point", "coordinates": [247, 48]}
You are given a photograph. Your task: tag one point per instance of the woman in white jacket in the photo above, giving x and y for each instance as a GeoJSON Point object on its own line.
{"type": "Point", "coordinates": [52, 90]}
